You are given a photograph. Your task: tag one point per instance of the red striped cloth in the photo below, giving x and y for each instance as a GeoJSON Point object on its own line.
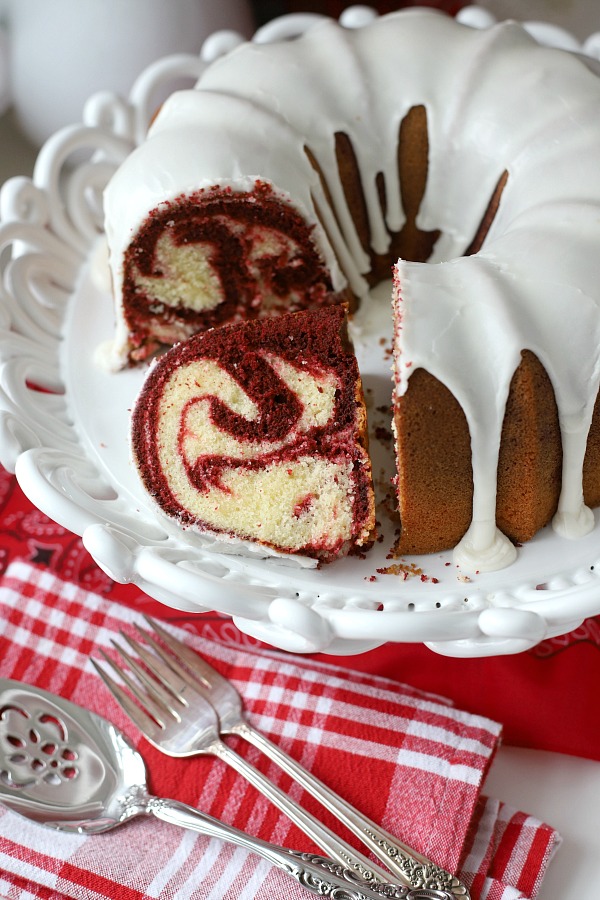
{"type": "Point", "coordinates": [408, 759]}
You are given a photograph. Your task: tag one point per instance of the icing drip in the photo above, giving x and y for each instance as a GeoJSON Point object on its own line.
{"type": "Point", "coordinates": [484, 549]}
{"type": "Point", "coordinates": [573, 518]}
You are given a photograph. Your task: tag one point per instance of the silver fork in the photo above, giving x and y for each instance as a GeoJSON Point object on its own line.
{"type": "Point", "coordinates": [180, 722]}
{"type": "Point", "coordinates": [407, 864]}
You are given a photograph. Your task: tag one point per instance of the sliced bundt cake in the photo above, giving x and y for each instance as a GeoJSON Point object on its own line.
{"type": "Point", "coordinates": [298, 172]}
{"type": "Point", "coordinates": [258, 432]}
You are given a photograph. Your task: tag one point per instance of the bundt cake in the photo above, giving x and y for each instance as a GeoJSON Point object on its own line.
{"type": "Point", "coordinates": [258, 432]}
{"type": "Point", "coordinates": [298, 173]}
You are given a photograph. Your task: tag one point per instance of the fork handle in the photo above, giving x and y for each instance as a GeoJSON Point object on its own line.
{"type": "Point", "coordinates": [414, 869]}
{"type": "Point", "coordinates": [322, 836]}
{"type": "Point", "coordinates": [317, 874]}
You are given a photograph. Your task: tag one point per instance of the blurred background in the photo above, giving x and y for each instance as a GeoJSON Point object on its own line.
{"type": "Point", "coordinates": [576, 14]}
{"type": "Point", "coordinates": [54, 54]}
{"type": "Point", "coordinates": [265, 10]}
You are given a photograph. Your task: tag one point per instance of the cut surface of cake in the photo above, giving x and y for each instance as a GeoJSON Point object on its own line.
{"type": "Point", "coordinates": [298, 173]}
{"type": "Point", "coordinates": [217, 256]}
{"type": "Point", "coordinates": [257, 432]}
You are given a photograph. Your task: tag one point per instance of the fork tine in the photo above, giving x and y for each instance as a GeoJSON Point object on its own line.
{"type": "Point", "coordinates": [198, 666]}
{"type": "Point", "coordinates": [137, 715]}
{"type": "Point", "coordinates": [151, 704]}
{"type": "Point", "coordinates": [129, 682]}
{"type": "Point", "coordinates": [151, 693]}
{"type": "Point", "coordinates": [165, 683]}
{"type": "Point", "coordinates": [188, 674]}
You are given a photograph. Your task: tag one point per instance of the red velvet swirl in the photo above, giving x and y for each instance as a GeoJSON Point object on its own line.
{"type": "Point", "coordinates": [314, 341]}
{"type": "Point", "coordinates": [218, 219]}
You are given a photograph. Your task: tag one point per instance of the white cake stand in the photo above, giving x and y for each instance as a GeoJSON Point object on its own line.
{"type": "Point", "coordinates": [64, 430]}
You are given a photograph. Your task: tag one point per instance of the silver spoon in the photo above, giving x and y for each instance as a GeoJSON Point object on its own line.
{"type": "Point", "coordinates": [69, 769]}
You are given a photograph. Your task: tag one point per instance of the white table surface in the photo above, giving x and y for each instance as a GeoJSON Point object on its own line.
{"type": "Point", "coordinates": [563, 791]}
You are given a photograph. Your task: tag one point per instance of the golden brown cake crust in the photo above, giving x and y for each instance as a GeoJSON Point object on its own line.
{"type": "Point", "coordinates": [435, 482]}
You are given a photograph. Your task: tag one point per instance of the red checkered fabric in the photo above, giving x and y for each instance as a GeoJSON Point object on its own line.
{"type": "Point", "coordinates": [408, 759]}
{"type": "Point", "coordinates": [542, 677]}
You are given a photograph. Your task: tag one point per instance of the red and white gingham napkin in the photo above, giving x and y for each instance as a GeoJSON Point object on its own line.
{"type": "Point", "coordinates": [409, 760]}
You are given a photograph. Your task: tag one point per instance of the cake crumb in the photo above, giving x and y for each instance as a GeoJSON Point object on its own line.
{"type": "Point", "coordinates": [408, 570]}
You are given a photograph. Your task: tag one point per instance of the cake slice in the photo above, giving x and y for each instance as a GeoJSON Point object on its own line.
{"type": "Point", "coordinates": [258, 432]}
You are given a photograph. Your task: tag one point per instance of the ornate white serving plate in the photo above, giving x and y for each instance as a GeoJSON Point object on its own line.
{"type": "Point", "coordinates": [64, 431]}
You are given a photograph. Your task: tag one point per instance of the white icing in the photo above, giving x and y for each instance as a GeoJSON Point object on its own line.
{"type": "Point", "coordinates": [495, 101]}
{"type": "Point", "coordinates": [484, 549]}
{"type": "Point", "coordinates": [217, 542]}
{"type": "Point", "coordinates": [99, 266]}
